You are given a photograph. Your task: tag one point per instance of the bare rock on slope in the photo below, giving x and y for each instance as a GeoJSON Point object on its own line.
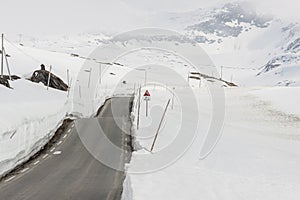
{"type": "Point", "coordinates": [43, 75]}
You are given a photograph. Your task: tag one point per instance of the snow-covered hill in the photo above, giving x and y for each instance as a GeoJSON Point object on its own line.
{"type": "Point", "coordinates": [244, 43]}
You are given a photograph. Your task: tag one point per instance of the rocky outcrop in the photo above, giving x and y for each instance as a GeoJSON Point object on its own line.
{"type": "Point", "coordinates": [41, 76]}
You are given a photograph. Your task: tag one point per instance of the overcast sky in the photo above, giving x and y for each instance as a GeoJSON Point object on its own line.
{"type": "Point", "coordinates": [34, 17]}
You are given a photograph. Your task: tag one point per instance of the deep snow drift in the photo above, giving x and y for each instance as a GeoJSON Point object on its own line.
{"type": "Point", "coordinates": [257, 156]}
{"type": "Point", "coordinates": [30, 113]}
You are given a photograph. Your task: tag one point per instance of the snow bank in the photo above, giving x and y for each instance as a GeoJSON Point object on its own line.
{"type": "Point", "coordinates": [257, 156]}
{"type": "Point", "coordinates": [30, 114]}
{"type": "Point", "coordinates": [30, 117]}
{"type": "Point", "coordinates": [127, 189]}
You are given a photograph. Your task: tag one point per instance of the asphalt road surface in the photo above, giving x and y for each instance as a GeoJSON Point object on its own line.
{"type": "Point", "coordinates": [68, 170]}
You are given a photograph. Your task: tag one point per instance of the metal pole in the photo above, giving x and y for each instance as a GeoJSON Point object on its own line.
{"type": "Point", "coordinates": [146, 107]}
{"type": "Point", "coordinates": [139, 107]}
{"type": "Point", "coordinates": [49, 76]}
{"type": "Point", "coordinates": [8, 70]}
{"type": "Point", "coordinates": [2, 54]}
{"type": "Point", "coordinates": [160, 123]}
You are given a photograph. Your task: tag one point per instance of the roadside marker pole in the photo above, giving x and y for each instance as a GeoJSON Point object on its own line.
{"type": "Point", "coordinates": [188, 78]}
{"type": "Point", "coordinates": [160, 123]}
{"type": "Point", "coordinates": [79, 87]}
{"type": "Point", "coordinates": [89, 78]}
{"type": "Point", "coordinates": [49, 76]}
{"type": "Point", "coordinates": [136, 103]}
{"type": "Point", "coordinates": [199, 82]}
{"type": "Point", "coordinates": [2, 54]}
{"type": "Point", "coordinates": [68, 79]}
{"type": "Point", "coordinates": [134, 91]}
{"type": "Point", "coordinates": [145, 76]}
{"type": "Point", "coordinates": [139, 107]}
{"type": "Point", "coordinates": [70, 86]}
{"type": "Point", "coordinates": [221, 72]}
{"type": "Point", "coordinates": [8, 70]}
{"type": "Point", "coordinates": [173, 97]}
{"type": "Point", "coordinates": [100, 73]}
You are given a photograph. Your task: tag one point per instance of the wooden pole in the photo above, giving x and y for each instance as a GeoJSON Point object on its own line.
{"type": "Point", "coordinates": [49, 76]}
{"type": "Point", "coordinates": [8, 70]}
{"type": "Point", "coordinates": [2, 54]}
{"type": "Point", "coordinates": [160, 123]}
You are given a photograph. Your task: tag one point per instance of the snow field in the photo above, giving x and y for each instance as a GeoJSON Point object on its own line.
{"type": "Point", "coordinates": [257, 156]}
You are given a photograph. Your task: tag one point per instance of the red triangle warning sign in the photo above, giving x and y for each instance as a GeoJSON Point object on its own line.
{"type": "Point", "coordinates": [147, 94]}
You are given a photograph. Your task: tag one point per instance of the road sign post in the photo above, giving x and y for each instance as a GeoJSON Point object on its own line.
{"type": "Point", "coordinates": [147, 98]}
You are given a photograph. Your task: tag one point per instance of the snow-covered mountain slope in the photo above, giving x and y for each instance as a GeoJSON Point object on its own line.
{"type": "Point", "coordinates": [284, 68]}
{"type": "Point", "coordinates": [242, 42]}
{"type": "Point", "coordinates": [231, 20]}
{"type": "Point", "coordinates": [82, 43]}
